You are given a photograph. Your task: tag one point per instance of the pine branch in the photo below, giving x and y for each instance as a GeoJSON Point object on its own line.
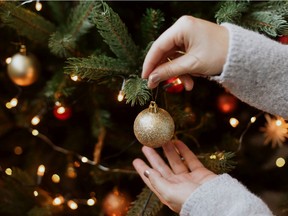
{"type": "Point", "coordinates": [97, 68]}
{"type": "Point", "coordinates": [136, 91]}
{"type": "Point", "coordinates": [231, 11]}
{"type": "Point", "coordinates": [147, 204]}
{"type": "Point", "coordinates": [25, 22]}
{"type": "Point", "coordinates": [151, 24]}
{"type": "Point", "coordinates": [63, 42]}
{"type": "Point", "coordinates": [218, 162]}
{"type": "Point", "coordinates": [115, 33]}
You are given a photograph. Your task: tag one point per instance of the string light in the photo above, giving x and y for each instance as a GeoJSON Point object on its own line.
{"type": "Point", "coordinates": [8, 171]}
{"type": "Point", "coordinates": [35, 120]}
{"type": "Point", "coordinates": [8, 60]}
{"type": "Point", "coordinates": [38, 6]}
{"type": "Point", "coordinates": [61, 110]}
{"type": "Point", "coordinates": [72, 205]}
{"type": "Point", "coordinates": [12, 103]}
{"type": "Point", "coordinates": [84, 159]}
{"type": "Point", "coordinates": [18, 150]}
{"type": "Point", "coordinates": [280, 162]}
{"type": "Point", "coordinates": [8, 105]}
{"type": "Point", "coordinates": [57, 103]}
{"type": "Point", "coordinates": [35, 132]}
{"type": "Point", "coordinates": [253, 119]}
{"type": "Point", "coordinates": [55, 178]}
{"type": "Point", "coordinates": [75, 78]}
{"type": "Point", "coordinates": [91, 201]}
{"type": "Point", "coordinates": [41, 170]}
{"type": "Point", "coordinates": [121, 94]}
{"type": "Point", "coordinates": [233, 122]}
{"type": "Point", "coordinates": [58, 200]}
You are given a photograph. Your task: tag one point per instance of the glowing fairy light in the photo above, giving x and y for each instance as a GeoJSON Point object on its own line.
{"type": "Point", "coordinates": [55, 178]}
{"type": "Point", "coordinates": [253, 119]}
{"type": "Point", "coordinates": [91, 201]}
{"type": "Point", "coordinates": [58, 200]}
{"type": "Point", "coordinates": [280, 162]}
{"type": "Point", "coordinates": [120, 96]}
{"type": "Point", "coordinates": [72, 204]}
{"type": "Point", "coordinates": [14, 102]}
{"type": "Point", "coordinates": [38, 6]}
{"type": "Point", "coordinates": [8, 60]}
{"type": "Point", "coordinates": [35, 193]}
{"type": "Point", "coordinates": [8, 105]}
{"type": "Point", "coordinates": [61, 110]}
{"type": "Point", "coordinates": [35, 132]}
{"type": "Point", "coordinates": [233, 122]}
{"type": "Point", "coordinates": [41, 170]}
{"type": "Point", "coordinates": [8, 171]}
{"type": "Point", "coordinates": [84, 159]}
{"type": "Point", "coordinates": [75, 78]}
{"type": "Point", "coordinates": [278, 122]}
{"type": "Point", "coordinates": [35, 120]}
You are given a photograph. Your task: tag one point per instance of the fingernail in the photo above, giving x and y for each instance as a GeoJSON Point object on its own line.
{"type": "Point", "coordinates": [154, 78]}
{"type": "Point", "coordinates": [146, 173]}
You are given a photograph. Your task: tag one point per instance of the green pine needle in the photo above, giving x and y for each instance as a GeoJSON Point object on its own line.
{"type": "Point", "coordinates": [146, 204]}
{"type": "Point", "coordinates": [136, 91]}
{"type": "Point", "coordinates": [115, 33]}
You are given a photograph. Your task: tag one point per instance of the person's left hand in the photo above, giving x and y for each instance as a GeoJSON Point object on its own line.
{"type": "Point", "coordinates": [172, 185]}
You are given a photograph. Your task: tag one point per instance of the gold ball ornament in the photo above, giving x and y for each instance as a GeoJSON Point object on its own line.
{"type": "Point", "coordinates": [154, 126]}
{"type": "Point", "coordinates": [23, 69]}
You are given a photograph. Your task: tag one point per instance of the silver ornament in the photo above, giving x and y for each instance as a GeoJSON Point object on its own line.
{"type": "Point", "coordinates": [154, 126]}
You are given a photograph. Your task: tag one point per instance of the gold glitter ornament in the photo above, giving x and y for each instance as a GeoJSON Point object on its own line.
{"type": "Point", "coordinates": [154, 126]}
{"type": "Point", "coordinates": [23, 69]}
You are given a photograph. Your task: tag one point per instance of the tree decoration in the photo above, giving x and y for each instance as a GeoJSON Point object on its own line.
{"type": "Point", "coordinates": [116, 203]}
{"type": "Point", "coordinates": [23, 69]}
{"type": "Point", "coordinates": [173, 85]}
{"type": "Point", "coordinates": [226, 103]}
{"type": "Point", "coordinates": [61, 112]}
{"type": "Point", "coordinates": [275, 131]}
{"type": "Point", "coordinates": [283, 39]}
{"type": "Point", "coordinates": [154, 126]}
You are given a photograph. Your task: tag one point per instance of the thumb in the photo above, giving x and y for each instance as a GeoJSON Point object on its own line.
{"type": "Point", "coordinates": [185, 64]}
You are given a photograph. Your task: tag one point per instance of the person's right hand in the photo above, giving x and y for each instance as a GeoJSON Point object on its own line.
{"type": "Point", "coordinates": [204, 43]}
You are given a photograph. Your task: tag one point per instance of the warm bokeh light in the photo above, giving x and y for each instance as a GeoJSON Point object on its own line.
{"type": "Point", "coordinates": [120, 96]}
{"type": "Point", "coordinates": [35, 120]}
{"type": "Point", "coordinates": [8, 105]}
{"type": "Point", "coordinates": [14, 102]}
{"type": "Point", "coordinates": [38, 6]}
{"type": "Point", "coordinates": [74, 78]}
{"type": "Point", "coordinates": [35, 132]}
{"type": "Point", "coordinates": [8, 171]}
{"type": "Point", "coordinates": [280, 162]}
{"type": "Point", "coordinates": [18, 150]}
{"type": "Point", "coordinates": [253, 119]}
{"type": "Point", "coordinates": [278, 122]}
{"type": "Point", "coordinates": [84, 159]}
{"type": "Point", "coordinates": [8, 60]}
{"type": "Point", "coordinates": [35, 193]}
{"type": "Point", "coordinates": [91, 201]}
{"type": "Point", "coordinates": [58, 200]}
{"type": "Point", "coordinates": [55, 178]}
{"type": "Point", "coordinates": [41, 170]}
{"type": "Point", "coordinates": [233, 122]}
{"type": "Point", "coordinates": [72, 205]}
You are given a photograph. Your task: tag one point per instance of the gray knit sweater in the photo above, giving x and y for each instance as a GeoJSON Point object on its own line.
{"type": "Point", "coordinates": [256, 71]}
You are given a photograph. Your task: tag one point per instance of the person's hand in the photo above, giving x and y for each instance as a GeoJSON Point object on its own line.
{"type": "Point", "coordinates": [172, 184]}
{"type": "Point", "coordinates": [205, 47]}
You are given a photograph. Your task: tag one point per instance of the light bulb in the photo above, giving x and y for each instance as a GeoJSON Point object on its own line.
{"type": "Point", "coordinates": [74, 78]}
{"type": "Point", "coordinates": [14, 102]}
{"type": "Point", "coordinates": [35, 120]}
{"type": "Point", "coordinates": [55, 178]}
{"type": "Point", "coordinates": [73, 205]}
{"type": "Point", "coordinates": [58, 200]}
{"type": "Point", "coordinates": [280, 162]}
{"type": "Point", "coordinates": [233, 122]}
{"type": "Point", "coordinates": [35, 193]}
{"type": "Point", "coordinates": [8, 171]}
{"type": "Point", "coordinates": [8, 60]}
{"type": "Point", "coordinates": [84, 159]}
{"type": "Point", "coordinates": [41, 170]}
{"type": "Point", "coordinates": [120, 96]}
{"type": "Point", "coordinates": [61, 110]}
{"type": "Point", "coordinates": [253, 119]}
{"type": "Point", "coordinates": [38, 6]}
{"type": "Point", "coordinates": [35, 132]}
{"type": "Point", "coordinates": [91, 201]}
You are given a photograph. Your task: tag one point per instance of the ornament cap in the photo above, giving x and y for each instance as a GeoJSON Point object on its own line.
{"type": "Point", "coordinates": [153, 108]}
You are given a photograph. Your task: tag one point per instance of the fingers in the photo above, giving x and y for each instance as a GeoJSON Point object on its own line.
{"type": "Point", "coordinates": [157, 162]}
{"type": "Point", "coordinates": [190, 158]}
{"type": "Point", "coordinates": [184, 64]}
{"type": "Point", "coordinates": [174, 159]}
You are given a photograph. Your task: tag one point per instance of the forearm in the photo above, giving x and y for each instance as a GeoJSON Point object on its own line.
{"type": "Point", "coordinates": [224, 196]}
{"type": "Point", "coordinates": [256, 71]}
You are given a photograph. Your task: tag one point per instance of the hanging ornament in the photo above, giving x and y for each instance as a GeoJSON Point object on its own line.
{"type": "Point", "coordinates": [173, 85]}
{"type": "Point", "coordinates": [23, 69]}
{"type": "Point", "coordinates": [154, 126]}
{"type": "Point", "coordinates": [283, 39]}
{"type": "Point", "coordinates": [226, 103]}
{"type": "Point", "coordinates": [116, 203]}
{"type": "Point", "coordinates": [61, 112]}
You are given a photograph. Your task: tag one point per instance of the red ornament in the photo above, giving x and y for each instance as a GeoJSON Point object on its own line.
{"type": "Point", "coordinates": [173, 85]}
{"type": "Point", "coordinates": [226, 103]}
{"type": "Point", "coordinates": [116, 203]}
{"type": "Point", "coordinates": [61, 112]}
{"type": "Point", "coordinates": [283, 39]}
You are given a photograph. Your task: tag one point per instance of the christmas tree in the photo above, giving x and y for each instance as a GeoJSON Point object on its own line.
{"type": "Point", "coordinates": [71, 90]}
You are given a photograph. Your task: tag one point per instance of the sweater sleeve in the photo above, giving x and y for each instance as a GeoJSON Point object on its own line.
{"type": "Point", "coordinates": [224, 196]}
{"type": "Point", "coordinates": [256, 70]}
